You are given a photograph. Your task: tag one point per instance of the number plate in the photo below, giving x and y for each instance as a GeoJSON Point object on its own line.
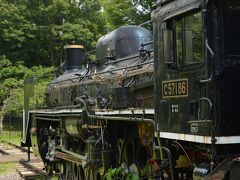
{"type": "Point", "coordinates": [175, 88]}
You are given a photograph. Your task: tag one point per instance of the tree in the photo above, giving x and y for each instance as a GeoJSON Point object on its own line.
{"type": "Point", "coordinates": [15, 30]}
{"type": "Point", "coordinates": [119, 13]}
{"type": "Point", "coordinates": [143, 10]}
{"type": "Point", "coordinates": [35, 31]}
{"type": "Point", "coordinates": [60, 22]}
{"type": "Point", "coordinates": [12, 81]}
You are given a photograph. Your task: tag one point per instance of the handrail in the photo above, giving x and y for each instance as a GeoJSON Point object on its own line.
{"type": "Point", "coordinates": [115, 118]}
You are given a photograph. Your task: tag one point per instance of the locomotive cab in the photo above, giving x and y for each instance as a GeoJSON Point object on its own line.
{"type": "Point", "coordinates": [196, 73]}
{"type": "Point", "coordinates": [197, 67]}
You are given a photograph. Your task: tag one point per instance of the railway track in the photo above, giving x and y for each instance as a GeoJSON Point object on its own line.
{"type": "Point", "coordinates": [33, 169]}
{"type": "Point", "coordinates": [10, 153]}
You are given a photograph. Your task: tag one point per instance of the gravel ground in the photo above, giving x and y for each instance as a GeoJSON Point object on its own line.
{"type": "Point", "coordinates": [12, 176]}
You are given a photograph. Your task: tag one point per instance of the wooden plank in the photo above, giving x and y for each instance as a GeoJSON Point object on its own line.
{"type": "Point", "coordinates": [22, 168]}
{"type": "Point", "coordinates": [28, 173]}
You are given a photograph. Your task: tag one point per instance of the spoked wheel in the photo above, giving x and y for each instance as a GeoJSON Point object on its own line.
{"type": "Point", "coordinates": [49, 168]}
{"type": "Point", "coordinates": [81, 175]}
{"type": "Point", "coordinates": [69, 172]}
{"type": "Point", "coordinates": [134, 155]}
{"type": "Point", "coordinates": [42, 139]}
{"type": "Point", "coordinates": [61, 170]}
{"type": "Point", "coordinates": [74, 171]}
{"type": "Point", "coordinates": [42, 142]}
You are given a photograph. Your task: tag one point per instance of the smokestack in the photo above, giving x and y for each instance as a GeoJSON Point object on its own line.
{"type": "Point", "coordinates": [74, 56]}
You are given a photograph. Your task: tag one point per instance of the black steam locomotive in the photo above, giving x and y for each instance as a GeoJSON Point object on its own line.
{"type": "Point", "coordinates": [134, 114]}
{"type": "Point", "coordinates": [99, 116]}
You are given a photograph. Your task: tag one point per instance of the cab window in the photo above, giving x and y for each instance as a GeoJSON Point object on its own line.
{"type": "Point", "coordinates": [189, 39]}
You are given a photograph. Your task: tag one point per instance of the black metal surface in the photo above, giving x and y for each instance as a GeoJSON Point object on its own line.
{"type": "Point", "coordinates": [176, 8]}
{"type": "Point", "coordinates": [200, 171]}
{"type": "Point", "coordinates": [219, 172]}
{"type": "Point", "coordinates": [113, 45]}
{"type": "Point", "coordinates": [224, 15]}
{"type": "Point", "coordinates": [74, 56]}
{"type": "Point", "coordinates": [122, 97]}
{"type": "Point", "coordinates": [235, 170]}
{"type": "Point", "coordinates": [229, 97]}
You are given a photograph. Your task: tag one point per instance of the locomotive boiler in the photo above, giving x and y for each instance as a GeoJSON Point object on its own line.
{"type": "Point", "coordinates": [99, 116]}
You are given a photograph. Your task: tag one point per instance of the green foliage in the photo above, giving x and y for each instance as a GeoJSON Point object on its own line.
{"type": "Point", "coordinates": [118, 13]}
{"type": "Point", "coordinates": [115, 173]}
{"type": "Point", "coordinates": [4, 62]}
{"type": "Point", "coordinates": [10, 134]}
{"type": "Point", "coordinates": [15, 29]}
{"type": "Point", "coordinates": [119, 174]}
{"type": "Point", "coordinates": [6, 168]}
{"type": "Point", "coordinates": [34, 32]}
{"type": "Point", "coordinates": [13, 105]}
{"type": "Point", "coordinates": [59, 22]}
{"type": "Point", "coordinates": [11, 84]}
{"type": "Point", "coordinates": [132, 176]}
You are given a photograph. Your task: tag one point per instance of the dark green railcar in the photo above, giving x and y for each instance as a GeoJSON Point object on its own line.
{"type": "Point", "coordinates": [197, 70]}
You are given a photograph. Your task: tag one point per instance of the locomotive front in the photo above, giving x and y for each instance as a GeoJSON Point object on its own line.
{"type": "Point", "coordinates": [100, 116]}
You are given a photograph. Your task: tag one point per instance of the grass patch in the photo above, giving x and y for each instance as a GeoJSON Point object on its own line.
{"type": "Point", "coordinates": [7, 168]}
{"type": "Point", "coordinates": [11, 136]}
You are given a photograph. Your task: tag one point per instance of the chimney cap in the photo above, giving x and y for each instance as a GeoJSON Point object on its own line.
{"type": "Point", "coordinates": [73, 47]}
